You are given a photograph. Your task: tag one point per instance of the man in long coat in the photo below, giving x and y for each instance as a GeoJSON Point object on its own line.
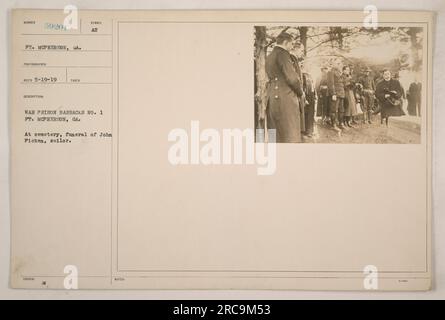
{"type": "Point", "coordinates": [297, 61]}
{"type": "Point", "coordinates": [284, 90]}
{"type": "Point", "coordinates": [322, 93]}
{"type": "Point", "coordinates": [310, 101]}
{"type": "Point", "coordinates": [368, 84]}
{"type": "Point", "coordinates": [336, 91]}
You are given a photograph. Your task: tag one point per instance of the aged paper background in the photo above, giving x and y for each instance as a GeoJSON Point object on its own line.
{"type": "Point", "coordinates": [411, 253]}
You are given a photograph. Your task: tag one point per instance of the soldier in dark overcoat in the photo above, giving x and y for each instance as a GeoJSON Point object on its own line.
{"type": "Point", "coordinates": [336, 91]}
{"type": "Point", "coordinates": [283, 92]}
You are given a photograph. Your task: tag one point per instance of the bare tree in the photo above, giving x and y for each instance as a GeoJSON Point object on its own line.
{"type": "Point", "coordinates": [260, 76]}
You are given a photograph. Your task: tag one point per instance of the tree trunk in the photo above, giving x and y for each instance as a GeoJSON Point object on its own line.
{"type": "Point", "coordinates": [303, 38]}
{"type": "Point", "coordinates": [260, 77]}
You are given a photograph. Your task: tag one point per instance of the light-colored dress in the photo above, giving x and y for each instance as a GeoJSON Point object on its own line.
{"type": "Point", "coordinates": [350, 102]}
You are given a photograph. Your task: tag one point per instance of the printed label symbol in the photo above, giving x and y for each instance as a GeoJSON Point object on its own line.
{"type": "Point", "coordinates": [71, 280]}
{"type": "Point", "coordinates": [371, 281]}
{"type": "Point", "coordinates": [70, 21]}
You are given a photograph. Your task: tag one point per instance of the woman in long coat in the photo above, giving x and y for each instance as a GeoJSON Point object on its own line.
{"type": "Point", "coordinates": [389, 94]}
{"type": "Point", "coordinates": [350, 102]}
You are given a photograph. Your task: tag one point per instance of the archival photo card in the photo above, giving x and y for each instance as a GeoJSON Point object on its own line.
{"type": "Point", "coordinates": [249, 150]}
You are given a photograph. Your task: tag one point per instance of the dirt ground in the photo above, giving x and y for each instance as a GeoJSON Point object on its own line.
{"type": "Point", "coordinates": [401, 130]}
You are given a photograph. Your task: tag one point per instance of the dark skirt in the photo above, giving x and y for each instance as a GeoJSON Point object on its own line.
{"type": "Point", "coordinates": [309, 111]}
{"type": "Point", "coordinates": [390, 110]}
{"type": "Point", "coordinates": [412, 106]}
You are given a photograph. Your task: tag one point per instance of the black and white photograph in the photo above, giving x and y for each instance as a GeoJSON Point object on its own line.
{"type": "Point", "coordinates": [337, 84]}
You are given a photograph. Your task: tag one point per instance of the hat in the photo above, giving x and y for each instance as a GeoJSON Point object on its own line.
{"type": "Point", "coordinates": [284, 36]}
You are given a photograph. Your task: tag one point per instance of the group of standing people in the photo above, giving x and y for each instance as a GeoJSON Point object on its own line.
{"type": "Point", "coordinates": [341, 96]}
{"type": "Point", "coordinates": [338, 97]}
{"type": "Point", "coordinates": [291, 93]}
{"type": "Point", "coordinates": [293, 98]}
